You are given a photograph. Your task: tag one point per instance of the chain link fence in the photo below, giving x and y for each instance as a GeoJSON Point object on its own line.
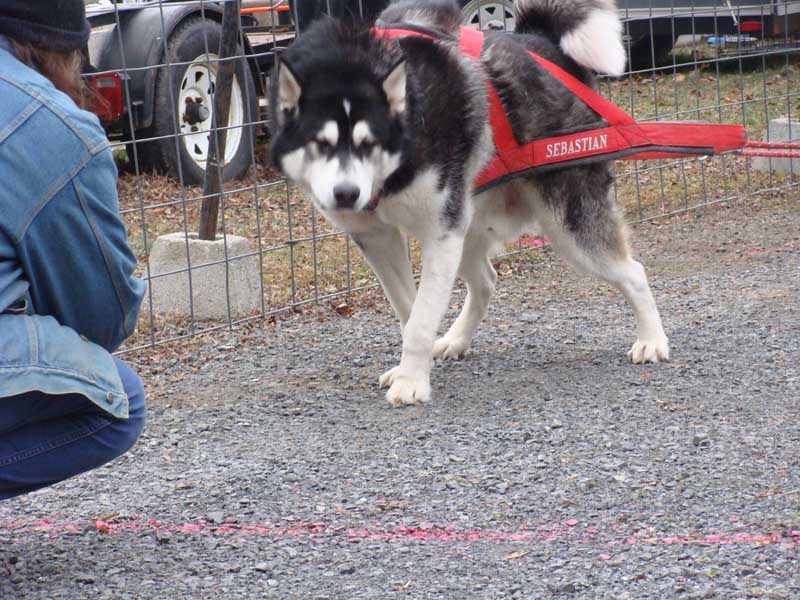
{"type": "Point", "coordinates": [162, 72]}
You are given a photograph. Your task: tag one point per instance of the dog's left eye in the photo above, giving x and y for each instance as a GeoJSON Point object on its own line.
{"type": "Point", "coordinates": [366, 146]}
{"type": "Point", "coordinates": [324, 146]}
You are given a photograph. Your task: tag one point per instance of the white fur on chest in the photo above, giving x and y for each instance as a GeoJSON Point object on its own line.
{"type": "Point", "coordinates": [418, 208]}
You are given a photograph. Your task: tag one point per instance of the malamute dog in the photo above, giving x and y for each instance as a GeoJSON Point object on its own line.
{"type": "Point", "coordinates": [388, 136]}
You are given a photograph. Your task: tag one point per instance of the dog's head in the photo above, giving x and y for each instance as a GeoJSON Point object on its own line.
{"type": "Point", "coordinates": [338, 101]}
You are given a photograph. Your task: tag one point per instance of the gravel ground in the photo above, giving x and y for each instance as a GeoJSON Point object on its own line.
{"type": "Point", "coordinates": [545, 466]}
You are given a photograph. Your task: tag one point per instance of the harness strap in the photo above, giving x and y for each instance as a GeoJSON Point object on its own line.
{"type": "Point", "coordinates": [610, 112]}
{"type": "Point", "coordinates": [471, 43]}
{"type": "Point", "coordinates": [624, 138]}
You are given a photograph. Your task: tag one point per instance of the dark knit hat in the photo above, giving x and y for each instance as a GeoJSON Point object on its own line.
{"type": "Point", "coordinates": [51, 24]}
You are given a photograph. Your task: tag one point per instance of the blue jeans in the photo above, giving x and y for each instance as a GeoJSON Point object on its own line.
{"type": "Point", "coordinates": [45, 439]}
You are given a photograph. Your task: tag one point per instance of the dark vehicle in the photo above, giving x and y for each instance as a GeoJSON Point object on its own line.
{"type": "Point", "coordinates": [651, 25]}
{"type": "Point", "coordinates": [144, 100]}
{"type": "Point", "coordinates": [654, 27]}
{"type": "Point", "coordinates": [168, 110]}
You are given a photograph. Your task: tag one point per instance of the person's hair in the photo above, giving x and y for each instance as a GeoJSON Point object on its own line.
{"type": "Point", "coordinates": [62, 68]}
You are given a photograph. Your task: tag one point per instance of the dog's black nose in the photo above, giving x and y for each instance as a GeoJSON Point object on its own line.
{"type": "Point", "coordinates": [346, 195]}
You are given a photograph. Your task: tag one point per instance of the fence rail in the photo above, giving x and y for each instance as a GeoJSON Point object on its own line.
{"type": "Point", "coordinates": [166, 54]}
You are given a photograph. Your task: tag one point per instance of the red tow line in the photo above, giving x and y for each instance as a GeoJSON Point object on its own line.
{"type": "Point", "coordinates": [772, 149]}
{"type": "Point", "coordinates": [623, 138]}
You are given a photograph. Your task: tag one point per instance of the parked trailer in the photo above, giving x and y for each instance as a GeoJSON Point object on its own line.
{"type": "Point", "coordinates": [155, 65]}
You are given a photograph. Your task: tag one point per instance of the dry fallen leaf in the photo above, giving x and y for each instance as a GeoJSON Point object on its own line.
{"type": "Point", "coordinates": [344, 310]}
{"type": "Point", "coordinates": [516, 555]}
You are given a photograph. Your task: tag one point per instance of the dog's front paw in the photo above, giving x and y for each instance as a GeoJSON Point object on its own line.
{"type": "Point", "coordinates": [407, 389]}
{"type": "Point", "coordinates": [450, 346]}
{"type": "Point", "coordinates": [387, 379]}
{"type": "Point", "coordinates": [649, 350]}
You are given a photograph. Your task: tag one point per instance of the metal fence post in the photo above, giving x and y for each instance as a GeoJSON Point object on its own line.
{"type": "Point", "coordinates": [215, 162]}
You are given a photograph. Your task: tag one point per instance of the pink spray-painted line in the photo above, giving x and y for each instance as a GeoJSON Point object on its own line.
{"type": "Point", "coordinates": [533, 242]}
{"type": "Point", "coordinates": [569, 531]}
{"type": "Point", "coordinates": [790, 247]}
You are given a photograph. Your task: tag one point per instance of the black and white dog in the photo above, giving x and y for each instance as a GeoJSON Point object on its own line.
{"type": "Point", "coordinates": [388, 136]}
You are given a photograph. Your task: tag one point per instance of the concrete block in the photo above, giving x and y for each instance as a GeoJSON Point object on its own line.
{"type": "Point", "coordinates": [780, 130]}
{"type": "Point", "coordinates": [209, 298]}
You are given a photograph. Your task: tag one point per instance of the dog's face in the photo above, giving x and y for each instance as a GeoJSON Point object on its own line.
{"type": "Point", "coordinates": [339, 140]}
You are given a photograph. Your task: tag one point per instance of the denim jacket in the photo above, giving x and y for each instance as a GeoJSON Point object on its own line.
{"type": "Point", "coordinates": [68, 297]}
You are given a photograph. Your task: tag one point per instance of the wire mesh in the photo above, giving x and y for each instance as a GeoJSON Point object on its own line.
{"type": "Point", "coordinates": [692, 60]}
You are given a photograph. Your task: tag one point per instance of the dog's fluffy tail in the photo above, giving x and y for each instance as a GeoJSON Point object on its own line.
{"type": "Point", "coordinates": [588, 31]}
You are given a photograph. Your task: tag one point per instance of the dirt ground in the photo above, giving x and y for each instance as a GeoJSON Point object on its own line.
{"type": "Point", "coordinates": [544, 466]}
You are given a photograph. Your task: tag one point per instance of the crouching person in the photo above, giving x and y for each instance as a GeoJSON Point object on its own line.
{"type": "Point", "coordinates": [68, 297]}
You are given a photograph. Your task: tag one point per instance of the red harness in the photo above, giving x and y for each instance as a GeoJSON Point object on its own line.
{"type": "Point", "coordinates": [623, 138]}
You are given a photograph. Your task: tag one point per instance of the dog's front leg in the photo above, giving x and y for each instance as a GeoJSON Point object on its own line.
{"type": "Point", "coordinates": [409, 382]}
{"type": "Point", "coordinates": [386, 251]}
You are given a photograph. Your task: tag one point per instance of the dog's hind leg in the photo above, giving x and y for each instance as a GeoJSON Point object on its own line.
{"type": "Point", "coordinates": [579, 215]}
{"type": "Point", "coordinates": [628, 276]}
{"type": "Point", "coordinates": [479, 275]}
{"type": "Point", "coordinates": [386, 251]}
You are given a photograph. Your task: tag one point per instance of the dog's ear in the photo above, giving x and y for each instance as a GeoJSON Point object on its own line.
{"type": "Point", "coordinates": [289, 89]}
{"type": "Point", "coordinates": [394, 86]}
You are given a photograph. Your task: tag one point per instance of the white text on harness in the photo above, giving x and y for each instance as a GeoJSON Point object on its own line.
{"type": "Point", "coordinates": [589, 143]}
